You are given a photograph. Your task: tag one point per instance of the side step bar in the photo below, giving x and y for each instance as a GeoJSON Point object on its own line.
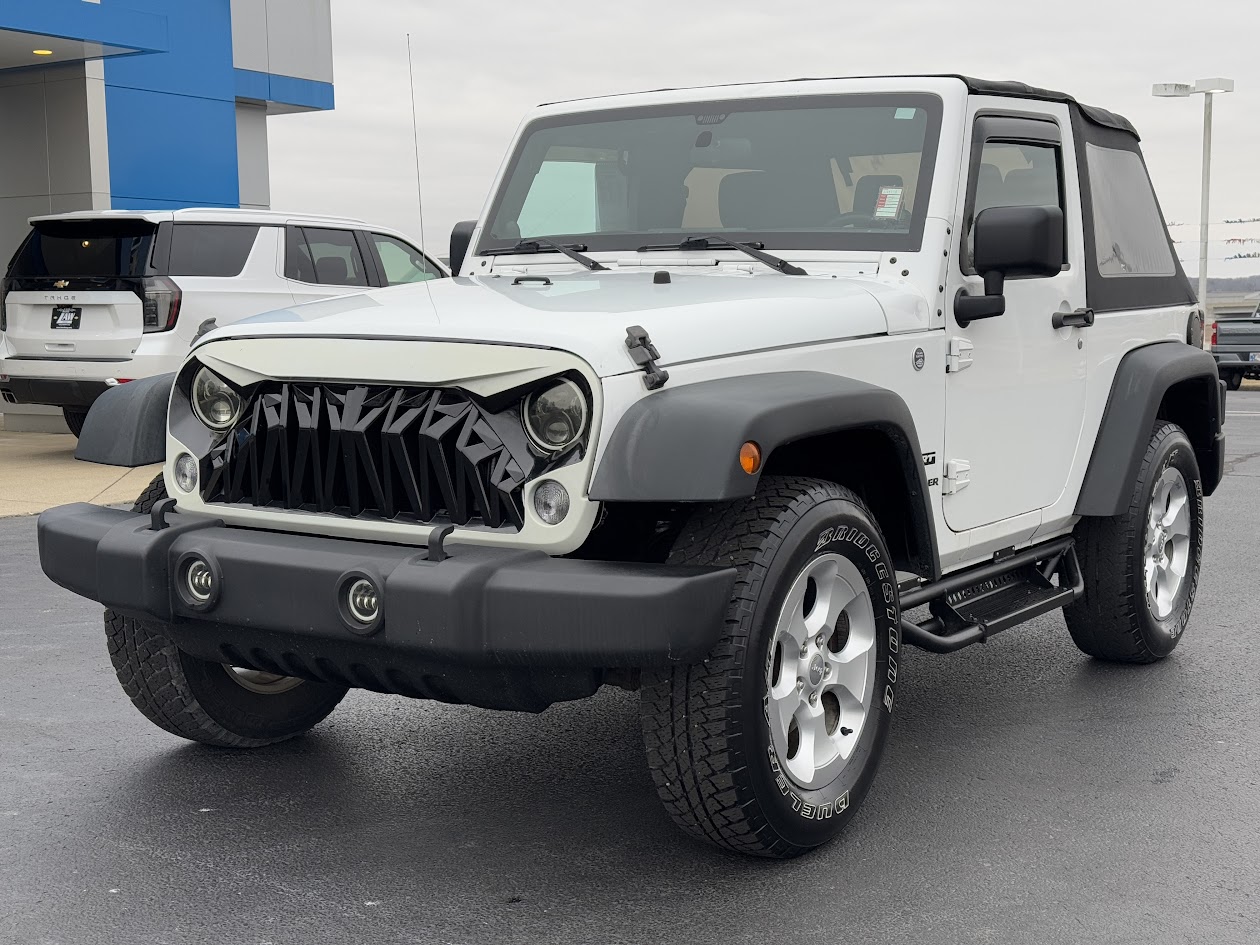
{"type": "Point", "coordinates": [973, 605]}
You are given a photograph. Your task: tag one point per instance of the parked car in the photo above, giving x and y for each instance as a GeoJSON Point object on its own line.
{"type": "Point", "coordinates": [1236, 345]}
{"type": "Point", "coordinates": [742, 391]}
{"type": "Point", "coordinates": [91, 300]}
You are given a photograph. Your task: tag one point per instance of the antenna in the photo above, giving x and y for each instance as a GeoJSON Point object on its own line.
{"type": "Point", "coordinates": [415, 138]}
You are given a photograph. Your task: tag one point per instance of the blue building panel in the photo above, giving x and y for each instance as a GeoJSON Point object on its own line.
{"type": "Point", "coordinates": [168, 150]}
{"type": "Point", "coordinates": [283, 89]}
{"type": "Point", "coordinates": [172, 115]}
{"type": "Point", "coordinates": [136, 25]}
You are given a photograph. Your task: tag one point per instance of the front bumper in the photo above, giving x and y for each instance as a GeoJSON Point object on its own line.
{"type": "Point", "coordinates": [279, 602]}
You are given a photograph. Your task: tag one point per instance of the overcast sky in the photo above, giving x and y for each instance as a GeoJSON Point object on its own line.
{"type": "Point", "coordinates": [481, 67]}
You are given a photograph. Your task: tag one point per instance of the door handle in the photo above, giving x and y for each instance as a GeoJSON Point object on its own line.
{"type": "Point", "coordinates": [1081, 318]}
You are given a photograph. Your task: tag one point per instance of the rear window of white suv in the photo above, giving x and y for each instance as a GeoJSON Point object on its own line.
{"type": "Point", "coordinates": [90, 249]}
{"type": "Point", "coordinates": [210, 249]}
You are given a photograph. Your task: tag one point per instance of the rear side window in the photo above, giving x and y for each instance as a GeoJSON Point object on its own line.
{"type": "Point", "coordinates": [210, 249]}
{"type": "Point", "coordinates": [1129, 235]}
{"type": "Point", "coordinates": [401, 262]}
{"type": "Point", "coordinates": [66, 249]}
{"type": "Point", "coordinates": [323, 257]}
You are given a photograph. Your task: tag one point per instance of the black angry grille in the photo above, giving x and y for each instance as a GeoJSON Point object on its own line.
{"type": "Point", "coordinates": [398, 453]}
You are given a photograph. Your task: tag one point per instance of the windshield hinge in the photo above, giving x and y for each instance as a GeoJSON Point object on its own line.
{"type": "Point", "coordinates": [958, 357]}
{"type": "Point", "coordinates": [644, 354]}
{"type": "Point", "coordinates": [957, 476]}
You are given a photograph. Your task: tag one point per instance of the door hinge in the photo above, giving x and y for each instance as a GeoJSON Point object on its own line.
{"type": "Point", "coordinates": [958, 356]}
{"type": "Point", "coordinates": [957, 476]}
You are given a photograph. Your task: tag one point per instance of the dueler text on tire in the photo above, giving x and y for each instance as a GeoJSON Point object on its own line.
{"type": "Point", "coordinates": [1141, 568]}
{"type": "Point", "coordinates": [770, 744]}
{"type": "Point", "coordinates": [205, 701]}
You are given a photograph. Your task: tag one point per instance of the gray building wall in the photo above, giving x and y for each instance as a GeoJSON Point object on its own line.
{"type": "Point", "coordinates": [251, 153]}
{"type": "Point", "coordinates": [285, 37]}
{"type": "Point", "coordinates": [60, 160]}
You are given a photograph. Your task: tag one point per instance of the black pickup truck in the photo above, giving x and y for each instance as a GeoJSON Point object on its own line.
{"type": "Point", "coordinates": [1236, 345]}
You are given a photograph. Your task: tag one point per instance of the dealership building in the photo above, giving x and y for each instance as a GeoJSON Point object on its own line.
{"type": "Point", "coordinates": [149, 104]}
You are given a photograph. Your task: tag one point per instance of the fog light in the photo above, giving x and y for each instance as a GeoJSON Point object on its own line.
{"type": "Point", "coordinates": [363, 601]}
{"type": "Point", "coordinates": [185, 473]}
{"type": "Point", "coordinates": [200, 580]}
{"type": "Point", "coordinates": [551, 502]}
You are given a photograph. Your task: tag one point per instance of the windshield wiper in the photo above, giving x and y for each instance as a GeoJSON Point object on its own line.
{"type": "Point", "coordinates": [748, 249]}
{"type": "Point", "coordinates": [540, 244]}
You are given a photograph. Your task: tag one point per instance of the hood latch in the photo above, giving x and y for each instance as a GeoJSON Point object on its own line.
{"type": "Point", "coordinates": [645, 354]}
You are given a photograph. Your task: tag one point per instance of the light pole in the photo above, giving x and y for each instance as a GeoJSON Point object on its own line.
{"type": "Point", "coordinates": [1184, 90]}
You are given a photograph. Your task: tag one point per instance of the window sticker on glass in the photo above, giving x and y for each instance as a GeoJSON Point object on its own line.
{"type": "Point", "coordinates": [903, 114]}
{"type": "Point", "coordinates": [888, 204]}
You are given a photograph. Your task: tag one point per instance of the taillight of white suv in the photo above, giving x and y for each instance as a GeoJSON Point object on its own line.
{"type": "Point", "coordinates": [162, 299]}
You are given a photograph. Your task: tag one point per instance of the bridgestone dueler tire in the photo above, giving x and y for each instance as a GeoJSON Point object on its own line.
{"type": "Point", "coordinates": [197, 699]}
{"type": "Point", "coordinates": [1113, 619]}
{"type": "Point", "coordinates": [705, 729]}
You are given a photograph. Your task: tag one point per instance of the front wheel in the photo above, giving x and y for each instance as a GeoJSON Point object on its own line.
{"type": "Point", "coordinates": [770, 744]}
{"type": "Point", "coordinates": [208, 702]}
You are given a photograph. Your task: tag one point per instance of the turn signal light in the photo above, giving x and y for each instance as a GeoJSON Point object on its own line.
{"type": "Point", "coordinates": [750, 457]}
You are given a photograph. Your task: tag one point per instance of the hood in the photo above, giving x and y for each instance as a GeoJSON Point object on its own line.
{"type": "Point", "coordinates": [692, 317]}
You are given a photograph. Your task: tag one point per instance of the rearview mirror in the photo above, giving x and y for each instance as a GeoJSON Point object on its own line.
{"type": "Point", "coordinates": [461, 236]}
{"type": "Point", "coordinates": [1010, 241]}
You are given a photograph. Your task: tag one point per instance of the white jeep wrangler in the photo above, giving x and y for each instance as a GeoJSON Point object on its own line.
{"type": "Point", "coordinates": [738, 392]}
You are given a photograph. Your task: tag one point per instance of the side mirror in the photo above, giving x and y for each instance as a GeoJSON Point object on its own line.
{"type": "Point", "coordinates": [1010, 241]}
{"type": "Point", "coordinates": [461, 236]}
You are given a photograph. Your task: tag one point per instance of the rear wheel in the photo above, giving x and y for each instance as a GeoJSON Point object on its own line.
{"type": "Point", "coordinates": [770, 744]}
{"type": "Point", "coordinates": [1141, 568]}
{"type": "Point", "coordinates": [1233, 380]}
{"type": "Point", "coordinates": [208, 702]}
{"type": "Point", "coordinates": [75, 417]}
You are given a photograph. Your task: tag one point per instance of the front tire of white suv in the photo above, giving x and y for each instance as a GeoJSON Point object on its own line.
{"type": "Point", "coordinates": [769, 745]}
{"type": "Point", "coordinates": [203, 701]}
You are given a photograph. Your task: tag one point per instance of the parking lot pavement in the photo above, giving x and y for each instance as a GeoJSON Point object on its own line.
{"type": "Point", "coordinates": [38, 471]}
{"type": "Point", "coordinates": [1028, 795]}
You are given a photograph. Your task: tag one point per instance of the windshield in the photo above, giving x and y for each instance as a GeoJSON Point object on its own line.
{"type": "Point", "coordinates": [839, 172]}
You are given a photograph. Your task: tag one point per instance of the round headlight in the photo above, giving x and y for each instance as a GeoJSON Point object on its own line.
{"type": "Point", "coordinates": [555, 417]}
{"type": "Point", "coordinates": [214, 401]}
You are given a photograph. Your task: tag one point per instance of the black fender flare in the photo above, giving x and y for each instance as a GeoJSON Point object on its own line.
{"type": "Point", "coordinates": [127, 424]}
{"type": "Point", "coordinates": [1143, 379]}
{"type": "Point", "coordinates": [682, 444]}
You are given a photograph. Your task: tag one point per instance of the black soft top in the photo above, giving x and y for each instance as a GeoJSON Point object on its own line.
{"type": "Point", "coordinates": [1099, 116]}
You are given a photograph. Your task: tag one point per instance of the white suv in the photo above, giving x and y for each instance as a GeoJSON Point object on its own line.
{"type": "Point", "coordinates": [95, 299]}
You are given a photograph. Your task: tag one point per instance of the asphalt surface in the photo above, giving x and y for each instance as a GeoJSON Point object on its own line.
{"type": "Point", "coordinates": [1028, 795]}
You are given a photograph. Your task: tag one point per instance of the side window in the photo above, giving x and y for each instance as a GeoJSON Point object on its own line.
{"type": "Point", "coordinates": [210, 249]}
{"type": "Point", "coordinates": [1015, 174]}
{"type": "Point", "coordinates": [1129, 234]}
{"type": "Point", "coordinates": [297, 256]}
{"type": "Point", "coordinates": [325, 257]}
{"type": "Point", "coordinates": [400, 262]}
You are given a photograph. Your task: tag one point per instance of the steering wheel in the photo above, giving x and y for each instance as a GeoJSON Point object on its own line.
{"type": "Point", "coordinates": [849, 219]}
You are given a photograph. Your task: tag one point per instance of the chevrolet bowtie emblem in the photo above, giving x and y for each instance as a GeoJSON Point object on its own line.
{"type": "Point", "coordinates": [61, 283]}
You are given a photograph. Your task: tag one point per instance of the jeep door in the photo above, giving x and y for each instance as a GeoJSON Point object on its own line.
{"type": "Point", "coordinates": [1014, 413]}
